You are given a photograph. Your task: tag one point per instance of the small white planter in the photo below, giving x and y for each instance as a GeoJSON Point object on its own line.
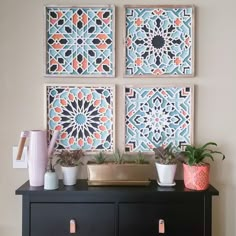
{"type": "Point", "coordinates": [166, 173]}
{"type": "Point", "coordinates": [69, 175]}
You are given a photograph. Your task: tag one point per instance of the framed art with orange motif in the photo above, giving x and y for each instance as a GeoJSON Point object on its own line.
{"type": "Point", "coordinates": [84, 115]}
{"type": "Point", "coordinates": [80, 41]}
{"type": "Point", "coordinates": [159, 41]}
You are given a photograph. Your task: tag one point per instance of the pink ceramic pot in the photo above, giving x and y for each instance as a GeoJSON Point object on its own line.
{"type": "Point", "coordinates": [37, 155]}
{"type": "Point", "coordinates": [196, 177]}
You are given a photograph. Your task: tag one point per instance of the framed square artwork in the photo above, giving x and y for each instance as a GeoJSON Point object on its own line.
{"type": "Point", "coordinates": [80, 41]}
{"type": "Point", "coordinates": [84, 115]}
{"type": "Point", "coordinates": [156, 116]}
{"type": "Point", "coordinates": [159, 41]}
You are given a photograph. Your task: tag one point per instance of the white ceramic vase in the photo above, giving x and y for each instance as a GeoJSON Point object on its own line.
{"type": "Point", "coordinates": [51, 180]}
{"type": "Point", "coordinates": [69, 175]}
{"type": "Point", "coordinates": [166, 173]}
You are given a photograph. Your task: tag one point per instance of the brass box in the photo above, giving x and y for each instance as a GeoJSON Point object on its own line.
{"type": "Point", "coordinates": [118, 174]}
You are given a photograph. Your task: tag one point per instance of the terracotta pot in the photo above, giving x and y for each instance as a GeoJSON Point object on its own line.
{"type": "Point", "coordinates": [196, 177]}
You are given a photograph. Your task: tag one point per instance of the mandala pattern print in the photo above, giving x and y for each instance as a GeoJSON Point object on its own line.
{"type": "Point", "coordinates": [159, 41]}
{"type": "Point", "coordinates": [80, 41]}
{"type": "Point", "coordinates": [84, 116]}
{"type": "Point", "coordinates": [157, 116]}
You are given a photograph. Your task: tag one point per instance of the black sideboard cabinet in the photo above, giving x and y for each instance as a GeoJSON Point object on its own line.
{"type": "Point", "coordinates": [116, 211]}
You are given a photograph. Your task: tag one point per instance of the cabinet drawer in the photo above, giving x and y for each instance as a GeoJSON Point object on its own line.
{"type": "Point", "coordinates": [141, 219]}
{"type": "Point", "coordinates": [53, 219]}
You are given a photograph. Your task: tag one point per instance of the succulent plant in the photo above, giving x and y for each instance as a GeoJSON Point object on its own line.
{"type": "Point", "coordinates": [140, 159]}
{"type": "Point", "coordinates": [118, 158]}
{"type": "Point", "coordinates": [69, 157]}
{"type": "Point", "coordinates": [166, 155]}
{"type": "Point", "coordinates": [100, 158]}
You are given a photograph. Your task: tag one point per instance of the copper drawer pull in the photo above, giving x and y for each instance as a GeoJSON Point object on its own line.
{"type": "Point", "coordinates": [161, 226]}
{"type": "Point", "coordinates": [72, 226]}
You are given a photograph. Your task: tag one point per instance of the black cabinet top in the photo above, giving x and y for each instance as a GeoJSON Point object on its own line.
{"type": "Point", "coordinates": [82, 192]}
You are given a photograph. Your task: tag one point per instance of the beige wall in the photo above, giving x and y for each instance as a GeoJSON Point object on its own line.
{"type": "Point", "coordinates": [21, 94]}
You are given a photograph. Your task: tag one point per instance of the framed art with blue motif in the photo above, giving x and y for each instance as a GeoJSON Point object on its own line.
{"type": "Point", "coordinates": [80, 41]}
{"type": "Point", "coordinates": [84, 115]}
{"type": "Point", "coordinates": [159, 41]}
{"type": "Point", "coordinates": [157, 116]}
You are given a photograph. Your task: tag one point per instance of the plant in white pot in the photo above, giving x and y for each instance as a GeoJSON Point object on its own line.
{"type": "Point", "coordinates": [69, 161]}
{"type": "Point", "coordinates": [166, 164]}
{"type": "Point", "coordinates": [196, 170]}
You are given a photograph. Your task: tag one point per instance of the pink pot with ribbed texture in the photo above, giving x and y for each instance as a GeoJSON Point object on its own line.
{"type": "Point", "coordinates": [196, 177]}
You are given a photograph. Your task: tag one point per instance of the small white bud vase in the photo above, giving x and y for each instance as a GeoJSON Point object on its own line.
{"type": "Point", "coordinates": [51, 180]}
{"type": "Point", "coordinates": [69, 175]}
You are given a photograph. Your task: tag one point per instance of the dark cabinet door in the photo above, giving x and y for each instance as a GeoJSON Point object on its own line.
{"type": "Point", "coordinates": [53, 219]}
{"type": "Point", "coordinates": [141, 219]}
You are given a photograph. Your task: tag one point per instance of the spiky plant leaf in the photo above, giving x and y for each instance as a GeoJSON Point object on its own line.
{"type": "Point", "coordinates": [140, 159]}
{"type": "Point", "coordinates": [100, 158]}
{"type": "Point", "coordinates": [208, 144]}
{"type": "Point", "coordinates": [118, 157]}
{"type": "Point", "coordinates": [195, 155]}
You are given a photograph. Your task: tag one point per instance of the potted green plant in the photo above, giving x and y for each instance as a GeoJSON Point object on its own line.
{"type": "Point", "coordinates": [196, 170]}
{"type": "Point", "coordinates": [100, 158]}
{"type": "Point", "coordinates": [166, 164]}
{"type": "Point", "coordinates": [69, 161]}
{"type": "Point", "coordinates": [140, 159]}
{"type": "Point", "coordinates": [118, 170]}
{"type": "Point", "coordinates": [118, 157]}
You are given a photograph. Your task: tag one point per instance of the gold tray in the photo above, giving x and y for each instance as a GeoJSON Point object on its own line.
{"type": "Point", "coordinates": [117, 183]}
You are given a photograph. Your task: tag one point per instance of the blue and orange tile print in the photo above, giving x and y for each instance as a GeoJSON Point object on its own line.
{"type": "Point", "coordinates": [158, 116]}
{"type": "Point", "coordinates": [159, 41]}
{"type": "Point", "coordinates": [84, 115]}
{"type": "Point", "coordinates": [80, 41]}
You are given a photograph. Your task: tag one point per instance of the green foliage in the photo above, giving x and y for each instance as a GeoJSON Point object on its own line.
{"type": "Point", "coordinates": [196, 155]}
{"type": "Point", "coordinates": [140, 159]}
{"type": "Point", "coordinates": [166, 155]}
{"type": "Point", "coordinates": [118, 158]}
{"type": "Point", "coordinates": [100, 158]}
{"type": "Point", "coordinates": [69, 157]}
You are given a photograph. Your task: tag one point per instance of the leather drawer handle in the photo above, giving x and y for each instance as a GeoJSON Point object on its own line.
{"type": "Point", "coordinates": [161, 226]}
{"type": "Point", "coordinates": [72, 226]}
